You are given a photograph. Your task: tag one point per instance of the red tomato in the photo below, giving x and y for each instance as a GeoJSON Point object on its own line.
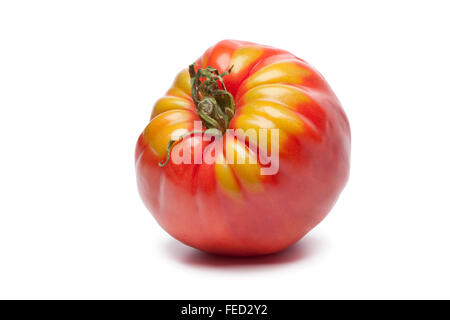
{"type": "Point", "coordinates": [232, 208]}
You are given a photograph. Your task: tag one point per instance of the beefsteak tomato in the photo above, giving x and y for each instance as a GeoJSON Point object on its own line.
{"type": "Point", "coordinates": [229, 206]}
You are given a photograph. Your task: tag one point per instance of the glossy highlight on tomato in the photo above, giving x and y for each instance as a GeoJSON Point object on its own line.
{"type": "Point", "coordinates": [233, 209]}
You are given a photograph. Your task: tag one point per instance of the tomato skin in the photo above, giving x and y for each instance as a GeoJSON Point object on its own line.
{"type": "Point", "coordinates": [232, 210]}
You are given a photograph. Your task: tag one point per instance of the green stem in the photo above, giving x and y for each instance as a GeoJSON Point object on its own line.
{"type": "Point", "coordinates": [215, 105]}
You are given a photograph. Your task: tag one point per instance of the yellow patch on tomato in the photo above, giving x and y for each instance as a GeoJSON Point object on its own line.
{"type": "Point", "coordinates": [282, 93]}
{"type": "Point", "coordinates": [280, 115]}
{"type": "Point", "coordinates": [171, 103]}
{"type": "Point", "coordinates": [290, 71]}
{"type": "Point", "coordinates": [244, 163]}
{"type": "Point", "coordinates": [225, 178]}
{"type": "Point", "coordinates": [181, 86]}
{"type": "Point", "coordinates": [245, 56]}
{"type": "Point", "coordinates": [164, 127]}
{"type": "Point", "coordinates": [256, 122]}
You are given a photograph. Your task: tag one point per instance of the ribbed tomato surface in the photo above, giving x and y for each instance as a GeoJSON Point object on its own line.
{"type": "Point", "coordinates": [232, 208]}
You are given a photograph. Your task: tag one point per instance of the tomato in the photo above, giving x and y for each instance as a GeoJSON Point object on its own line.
{"type": "Point", "coordinates": [233, 208]}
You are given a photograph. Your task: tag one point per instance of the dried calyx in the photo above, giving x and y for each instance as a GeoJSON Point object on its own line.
{"type": "Point", "coordinates": [215, 105]}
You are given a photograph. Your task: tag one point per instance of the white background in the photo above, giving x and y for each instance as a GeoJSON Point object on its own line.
{"type": "Point", "coordinates": [77, 83]}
